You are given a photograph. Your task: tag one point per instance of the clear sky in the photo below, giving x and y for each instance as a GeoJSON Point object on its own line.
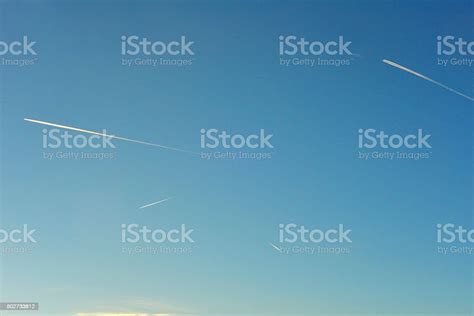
{"type": "Point", "coordinates": [236, 83]}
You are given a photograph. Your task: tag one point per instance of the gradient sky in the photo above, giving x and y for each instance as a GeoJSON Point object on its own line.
{"type": "Point", "coordinates": [314, 177]}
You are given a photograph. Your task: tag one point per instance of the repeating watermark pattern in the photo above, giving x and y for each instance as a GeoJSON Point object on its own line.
{"type": "Point", "coordinates": [139, 51]}
{"type": "Point", "coordinates": [18, 53]}
{"type": "Point", "coordinates": [145, 240]}
{"type": "Point", "coordinates": [378, 145]}
{"type": "Point", "coordinates": [297, 239]}
{"type": "Point", "coordinates": [297, 51]}
{"type": "Point", "coordinates": [229, 146]}
{"type": "Point", "coordinates": [17, 240]}
{"type": "Point", "coordinates": [452, 239]}
{"type": "Point", "coordinates": [454, 51]}
{"type": "Point", "coordinates": [65, 145]}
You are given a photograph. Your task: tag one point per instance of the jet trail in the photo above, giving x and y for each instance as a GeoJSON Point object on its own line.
{"type": "Point", "coordinates": [105, 135]}
{"type": "Point", "coordinates": [391, 63]}
{"type": "Point", "coordinates": [275, 247]}
{"type": "Point", "coordinates": [157, 202]}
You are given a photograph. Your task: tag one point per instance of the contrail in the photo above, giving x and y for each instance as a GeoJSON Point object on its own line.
{"type": "Point", "coordinates": [157, 202]}
{"type": "Point", "coordinates": [278, 249]}
{"type": "Point", "coordinates": [105, 135]}
{"type": "Point", "coordinates": [391, 63]}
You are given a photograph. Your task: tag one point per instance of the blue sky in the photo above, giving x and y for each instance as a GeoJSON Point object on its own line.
{"type": "Point", "coordinates": [314, 177]}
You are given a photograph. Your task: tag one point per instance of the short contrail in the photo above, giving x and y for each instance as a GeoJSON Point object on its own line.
{"type": "Point", "coordinates": [391, 63]}
{"type": "Point", "coordinates": [105, 135]}
{"type": "Point", "coordinates": [275, 247]}
{"type": "Point", "coordinates": [157, 202]}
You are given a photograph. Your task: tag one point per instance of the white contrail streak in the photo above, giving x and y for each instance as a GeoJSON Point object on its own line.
{"type": "Point", "coordinates": [105, 135]}
{"type": "Point", "coordinates": [157, 202]}
{"type": "Point", "coordinates": [391, 63]}
{"type": "Point", "coordinates": [278, 249]}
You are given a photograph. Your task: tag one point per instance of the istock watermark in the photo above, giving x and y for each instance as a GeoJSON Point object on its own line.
{"type": "Point", "coordinates": [454, 51]}
{"type": "Point", "coordinates": [18, 53]}
{"type": "Point", "coordinates": [221, 144]}
{"type": "Point", "coordinates": [297, 51]}
{"type": "Point", "coordinates": [138, 51]}
{"type": "Point", "coordinates": [59, 144]}
{"type": "Point", "coordinates": [17, 240]}
{"type": "Point", "coordinates": [299, 239]}
{"type": "Point", "coordinates": [454, 239]}
{"type": "Point", "coordinates": [147, 240]}
{"type": "Point", "coordinates": [379, 145]}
